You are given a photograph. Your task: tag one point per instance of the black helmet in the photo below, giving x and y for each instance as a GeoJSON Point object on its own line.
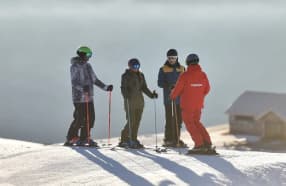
{"type": "Point", "coordinates": [172, 52]}
{"type": "Point", "coordinates": [192, 59]}
{"type": "Point", "coordinates": [134, 64]}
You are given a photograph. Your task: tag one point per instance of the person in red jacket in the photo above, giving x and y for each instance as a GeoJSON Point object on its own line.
{"type": "Point", "coordinates": [192, 86]}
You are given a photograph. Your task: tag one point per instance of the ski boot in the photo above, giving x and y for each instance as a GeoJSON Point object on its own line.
{"type": "Point", "coordinates": [168, 143]}
{"type": "Point", "coordinates": [181, 144]}
{"type": "Point", "coordinates": [123, 144]}
{"type": "Point", "coordinates": [87, 143]}
{"type": "Point", "coordinates": [72, 142]}
{"type": "Point", "coordinates": [138, 145]}
{"type": "Point", "coordinates": [209, 150]}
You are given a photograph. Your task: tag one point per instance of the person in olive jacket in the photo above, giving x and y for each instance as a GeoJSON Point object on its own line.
{"type": "Point", "coordinates": [133, 85]}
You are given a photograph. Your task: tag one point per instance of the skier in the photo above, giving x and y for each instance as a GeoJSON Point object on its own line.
{"type": "Point", "coordinates": [82, 79]}
{"type": "Point", "coordinates": [133, 85]}
{"type": "Point", "coordinates": [167, 78]}
{"type": "Point", "coordinates": [193, 86]}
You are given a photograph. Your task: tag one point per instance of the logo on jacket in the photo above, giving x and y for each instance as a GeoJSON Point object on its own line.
{"type": "Point", "coordinates": [196, 85]}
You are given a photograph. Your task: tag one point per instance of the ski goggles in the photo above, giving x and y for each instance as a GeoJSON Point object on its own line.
{"type": "Point", "coordinates": [135, 66]}
{"type": "Point", "coordinates": [172, 57]}
{"type": "Point", "coordinates": [89, 54]}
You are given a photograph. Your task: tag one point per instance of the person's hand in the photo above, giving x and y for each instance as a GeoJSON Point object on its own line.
{"type": "Point", "coordinates": [172, 87]}
{"type": "Point", "coordinates": [109, 88]}
{"type": "Point", "coordinates": [154, 95]}
{"type": "Point", "coordinates": [172, 98]}
{"type": "Point", "coordinates": [86, 88]}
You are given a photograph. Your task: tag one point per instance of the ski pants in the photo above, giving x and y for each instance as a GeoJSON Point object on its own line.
{"type": "Point", "coordinates": [80, 120]}
{"type": "Point", "coordinates": [196, 129]}
{"type": "Point", "coordinates": [133, 118]}
{"type": "Point", "coordinates": [173, 123]}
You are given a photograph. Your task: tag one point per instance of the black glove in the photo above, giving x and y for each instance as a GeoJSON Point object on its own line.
{"type": "Point", "coordinates": [172, 87]}
{"type": "Point", "coordinates": [154, 95]}
{"type": "Point", "coordinates": [86, 88]}
{"type": "Point", "coordinates": [109, 88]}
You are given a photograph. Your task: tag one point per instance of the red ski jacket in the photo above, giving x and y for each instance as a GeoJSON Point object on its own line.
{"type": "Point", "coordinates": [192, 86]}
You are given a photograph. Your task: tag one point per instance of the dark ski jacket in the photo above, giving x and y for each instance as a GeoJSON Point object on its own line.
{"type": "Point", "coordinates": [133, 85]}
{"type": "Point", "coordinates": [83, 75]}
{"type": "Point", "coordinates": [167, 78]}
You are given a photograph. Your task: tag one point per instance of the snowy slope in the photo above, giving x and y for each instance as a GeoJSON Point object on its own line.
{"type": "Point", "coordinates": [58, 165]}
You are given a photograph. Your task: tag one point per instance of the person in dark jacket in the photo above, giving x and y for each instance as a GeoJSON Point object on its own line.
{"type": "Point", "coordinates": [167, 78]}
{"type": "Point", "coordinates": [133, 85]}
{"type": "Point", "coordinates": [83, 78]}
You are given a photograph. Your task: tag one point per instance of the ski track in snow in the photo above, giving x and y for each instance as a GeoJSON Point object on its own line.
{"type": "Point", "coordinates": [58, 165]}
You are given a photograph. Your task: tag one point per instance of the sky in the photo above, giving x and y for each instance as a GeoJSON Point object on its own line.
{"type": "Point", "coordinates": [240, 44]}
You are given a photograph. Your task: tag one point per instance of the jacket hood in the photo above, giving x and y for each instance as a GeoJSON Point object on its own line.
{"type": "Point", "coordinates": [194, 68]}
{"type": "Point", "coordinates": [75, 60]}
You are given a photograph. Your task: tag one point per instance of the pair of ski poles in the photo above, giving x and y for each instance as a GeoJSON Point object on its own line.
{"type": "Point", "coordinates": [130, 128]}
{"type": "Point", "coordinates": [88, 121]}
{"type": "Point", "coordinates": [155, 122]}
{"type": "Point", "coordinates": [174, 116]}
{"type": "Point", "coordinates": [175, 119]}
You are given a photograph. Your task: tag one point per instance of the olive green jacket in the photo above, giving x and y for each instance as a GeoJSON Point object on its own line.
{"type": "Point", "coordinates": [133, 85]}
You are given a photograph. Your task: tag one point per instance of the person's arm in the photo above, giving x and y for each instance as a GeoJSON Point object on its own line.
{"type": "Point", "coordinates": [125, 91]}
{"type": "Point", "coordinates": [145, 89]}
{"type": "Point", "coordinates": [95, 80]}
{"type": "Point", "coordinates": [161, 79]}
{"type": "Point", "coordinates": [207, 87]}
{"type": "Point", "coordinates": [177, 91]}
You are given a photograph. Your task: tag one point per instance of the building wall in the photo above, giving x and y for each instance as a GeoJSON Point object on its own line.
{"type": "Point", "coordinates": [273, 125]}
{"type": "Point", "coordinates": [244, 125]}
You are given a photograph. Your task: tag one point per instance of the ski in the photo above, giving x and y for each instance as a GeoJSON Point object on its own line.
{"type": "Point", "coordinates": [78, 144]}
{"type": "Point", "coordinates": [209, 152]}
{"type": "Point", "coordinates": [87, 146]}
{"type": "Point", "coordinates": [158, 150]}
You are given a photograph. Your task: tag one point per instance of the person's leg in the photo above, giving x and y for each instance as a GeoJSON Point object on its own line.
{"type": "Point", "coordinates": [91, 114]}
{"type": "Point", "coordinates": [137, 118]}
{"type": "Point", "coordinates": [84, 121]}
{"type": "Point", "coordinates": [91, 122]}
{"type": "Point", "coordinates": [169, 123]}
{"type": "Point", "coordinates": [189, 119]}
{"type": "Point", "coordinates": [204, 133]}
{"type": "Point", "coordinates": [75, 125]}
{"type": "Point", "coordinates": [126, 133]}
{"type": "Point", "coordinates": [178, 124]}
{"type": "Point", "coordinates": [125, 130]}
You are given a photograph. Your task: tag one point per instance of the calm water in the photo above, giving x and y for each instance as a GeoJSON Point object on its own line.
{"type": "Point", "coordinates": [241, 46]}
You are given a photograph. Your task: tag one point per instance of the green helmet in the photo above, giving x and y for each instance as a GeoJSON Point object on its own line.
{"type": "Point", "coordinates": [84, 51]}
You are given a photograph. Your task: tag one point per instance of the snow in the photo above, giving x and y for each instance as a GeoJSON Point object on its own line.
{"type": "Point", "coordinates": [24, 163]}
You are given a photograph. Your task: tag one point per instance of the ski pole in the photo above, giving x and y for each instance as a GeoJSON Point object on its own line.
{"type": "Point", "coordinates": [129, 121]}
{"type": "Point", "coordinates": [158, 150]}
{"type": "Point", "coordinates": [109, 118]}
{"type": "Point", "coordinates": [155, 111]}
{"type": "Point", "coordinates": [87, 117]}
{"type": "Point", "coordinates": [174, 113]}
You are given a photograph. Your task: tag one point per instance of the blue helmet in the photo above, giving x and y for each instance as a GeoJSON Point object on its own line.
{"type": "Point", "coordinates": [134, 64]}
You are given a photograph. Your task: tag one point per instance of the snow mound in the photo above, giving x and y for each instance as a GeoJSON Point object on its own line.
{"type": "Point", "coordinates": [10, 147]}
{"type": "Point", "coordinates": [59, 165]}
